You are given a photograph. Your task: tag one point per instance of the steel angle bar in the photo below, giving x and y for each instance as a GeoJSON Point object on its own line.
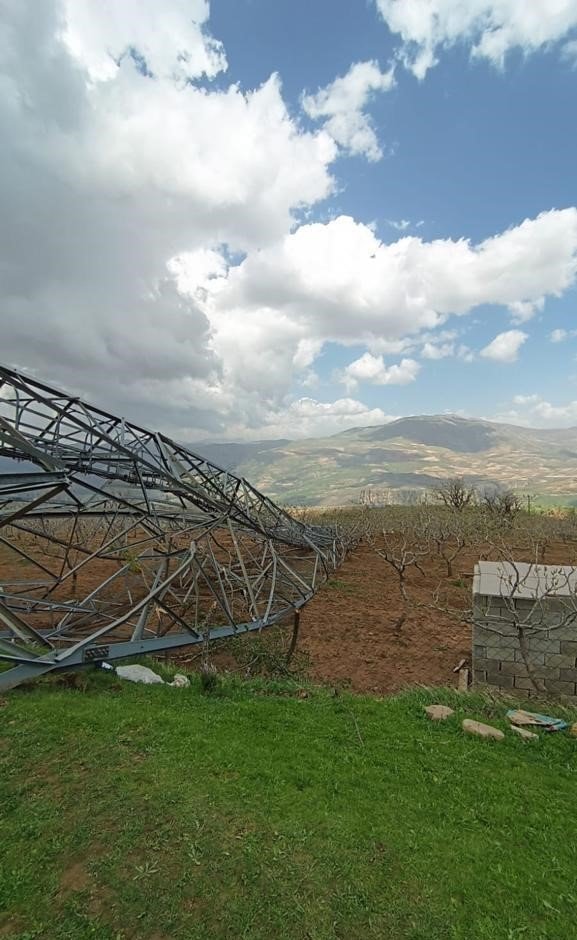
{"type": "Point", "coordinates": [118, 488]}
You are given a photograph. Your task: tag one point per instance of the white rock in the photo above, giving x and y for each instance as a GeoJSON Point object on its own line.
{"type": "Point", "coordinates": [439, 712]}
{"type": "Point", "coordinates": [483, 731]}
{"type": "Point", "coordinates": [180, 681]}
{"type": "Point", "coordinates": [139, 674]}
{"type": "Point", "coordinates": [523, 733]}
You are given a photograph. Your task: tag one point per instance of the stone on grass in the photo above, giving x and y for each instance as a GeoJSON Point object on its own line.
{"type": "Point", "coordinates": [180, 681]}
{"type": "Point", "coordinates": [483, 731]}
{"type": "Point", "coordinates": [439, 712]}
{"type": "Point", "coordinates": [523, 733]}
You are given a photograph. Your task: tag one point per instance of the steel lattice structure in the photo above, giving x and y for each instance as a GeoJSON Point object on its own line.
{"type": "Point", "coordinates": [116, 540]}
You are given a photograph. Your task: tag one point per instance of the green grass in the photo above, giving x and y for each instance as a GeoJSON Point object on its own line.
{"type": "Point", "coordinates": [154, 813]}
{"type": "Point", "coordinates": [339, 585]}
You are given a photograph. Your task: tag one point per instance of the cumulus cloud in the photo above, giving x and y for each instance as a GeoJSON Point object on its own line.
{"type": "Point", "coordinates": [533, 410]}
{"type": "Point", "coordinates": [153, 253]}
{"type": "Point", "coordinates": [505, 347]}
{"type": "Point", "coordinates": [170, 40]}
{"type": "Point", "coordinates": [557, 336]}
{"type": "Point", "coordinates": [369, 368]}
{"type": "Point", "coordinates": [437, 350]}
{"type": "Point", "coordinates": [560, 335]}
{"type": "Point", "coordinates": [308, 417]}
{"type": "Point", "coordinates": [114, 181]}
{"type": "Point", "coordinates": [526, 399]}
{"type": "Point", "coordinates": [491, 28]}
{"type": "Point", "coordinates": [339, 281]}
{"type": "Point", "coordinates": [341, 105]}
{"type": "Point", "coordinates": [551, 414]}
{"type": "Point", "coordinates": [523, 310]}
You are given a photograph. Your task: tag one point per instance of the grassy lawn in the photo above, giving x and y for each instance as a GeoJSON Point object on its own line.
{"type": "Point", "coordinates": [150, 812]}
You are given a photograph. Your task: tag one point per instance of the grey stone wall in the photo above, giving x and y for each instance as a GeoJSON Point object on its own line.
{"type": "Point", "coordinates": [550, 646]}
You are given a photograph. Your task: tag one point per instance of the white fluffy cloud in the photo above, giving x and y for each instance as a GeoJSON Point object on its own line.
{"type": "Point", "coordinates": [153, 253]}
{"type": "Point", "coordinates": [523, 310]}
{"type": "Point", "coordinates": [557, 336]}
{"type": "Point", "coordinates": [169, 38]}
{"type": "Point", "coordinates": [490, 27]}
{"type": "Point", "coordinates": [338, 281]}
{"type": "Point", "coordinates": [342, 107]}
{"type": "Point", "coordinates": [526, 399]}
{"type": "Point", "coordinates": [109, 177]}
{"type": "Point", "coordinates": [533, 410]}
{"type": "Point", "coordinates": [505, 347]}
{"type": "Point", "coordinates": [560, 335]}
{"type": "Point", "coordinates": [372, 369]}
{"type": "Point", "coordinates": [307, 417]}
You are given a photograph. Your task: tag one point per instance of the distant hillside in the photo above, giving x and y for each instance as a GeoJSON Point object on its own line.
{"type": "Point", "coordinates": [229, 455]}
{"type": "Point", "coordinates": [397, 460]}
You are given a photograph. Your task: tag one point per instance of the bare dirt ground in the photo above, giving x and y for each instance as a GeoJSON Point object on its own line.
{"type": "Point", "coordinates": [348, 629]}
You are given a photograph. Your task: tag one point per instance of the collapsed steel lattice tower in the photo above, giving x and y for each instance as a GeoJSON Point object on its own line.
{"type": "Point", "coordinates": [116, 541]}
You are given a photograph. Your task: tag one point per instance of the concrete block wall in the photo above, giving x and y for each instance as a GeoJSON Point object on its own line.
{"type": "Point", "coordinates": [551, 646]}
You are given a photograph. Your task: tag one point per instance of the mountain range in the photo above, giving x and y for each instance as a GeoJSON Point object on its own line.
{"type": "Point", "coordinates": [400, 460]}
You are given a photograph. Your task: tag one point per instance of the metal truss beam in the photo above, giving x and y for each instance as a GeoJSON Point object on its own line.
{"type": "Point", "coordinates": [116, 540]}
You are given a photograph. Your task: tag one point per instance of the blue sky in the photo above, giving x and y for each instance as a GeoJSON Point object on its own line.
{"type": "Point", "coordinates": [229, 254]}
{"type": "Point", "coordinates": [474, 150]}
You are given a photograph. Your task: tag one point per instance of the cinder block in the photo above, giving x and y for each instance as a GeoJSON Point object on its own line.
{"type": "Point", "coordinates": [481, 635]}
{"type": "Point", "coordinates": [502, 654]}
{"type": "Point", "coordinates": [480, 651]}
{"type": "Point", "coordinates": [569, 647]}
{"type": "Point", "coordinates": [545, 672]}
{"type": "Point", "coordinates": [497, 678]}
{"type": "Point", "coordinates": [489, 665]}
{"type": "Point", "coordinates": [566, 633]}
{"type": "Point", "coordinates": [525, 684]}
{"type": "Point", "coordinates": [560, 687]}
{"type": "Point", "coordinates": [479, 675]}
{"type": "Point", "coordinates": [513, 669]}
{"type": "Point", "coordinates": [503, 622]}
{"type": "Point", "coordinates": [540, 644]}
{"type": "Point", "coordinates": [560, 660]}
{"type": "Point", "coordinates": [568, 675]}
{"type": "Point", "coordinates": [537, 659]}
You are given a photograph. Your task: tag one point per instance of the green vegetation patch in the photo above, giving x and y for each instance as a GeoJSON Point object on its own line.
{"type": "Point", "coordinates": [275, 811]}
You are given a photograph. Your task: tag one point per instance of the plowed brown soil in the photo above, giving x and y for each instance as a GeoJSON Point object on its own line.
{"type": "Point", "coordinates": [348, 629]}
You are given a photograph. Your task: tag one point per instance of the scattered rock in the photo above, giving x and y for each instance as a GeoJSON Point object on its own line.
{"type": "Point", "coordinates": [523, 733]}
{"type": "Point", "coordinates": [483, 731]}
{"type": "Point", "coordinates": [573, 730]}
{"type": "Point", "coordinates": [139, 674]}
{"type": "Point", "coordinates": [180, 681]}
{"type": "Point", "coordinates": [439, 712]}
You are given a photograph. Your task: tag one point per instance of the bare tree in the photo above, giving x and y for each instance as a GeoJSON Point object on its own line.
{"type": "Point", "coordinates": [402, 550]}
{"type": "Point", "coordinates": [504, 505]}
{"type": "Point", "coordinates": [450, 536]}
{"type": "Point", "coordinates": [455, 494]}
